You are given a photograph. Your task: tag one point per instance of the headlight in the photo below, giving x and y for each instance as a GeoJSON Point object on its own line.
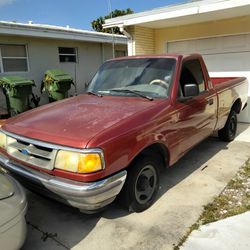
{"type": "Point", "coordinates": [3, 140]}
{"type": "Point", "coordinates": [78, 162]}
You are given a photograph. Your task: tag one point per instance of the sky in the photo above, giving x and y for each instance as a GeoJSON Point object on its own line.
{"type": "Point", "coordinates": [75, 13]}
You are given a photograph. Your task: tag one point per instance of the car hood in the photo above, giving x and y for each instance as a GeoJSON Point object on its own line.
{"type": "Point", "coordinates": [74, 121]}
{"type": "Point", "coordinates": [6, 187]}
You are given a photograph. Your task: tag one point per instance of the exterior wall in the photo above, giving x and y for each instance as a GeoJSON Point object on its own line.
{"type": "Point", "coordinates": [200, 30]}
{"type": "Point", "coordinates": [144, 40]}
{"type": "Point", "coordinates": [43, 55]}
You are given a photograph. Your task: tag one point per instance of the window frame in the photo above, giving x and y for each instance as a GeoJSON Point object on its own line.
{"type": "Point", "coordinates": [204, 78]}
{"type": "Point", "coordinates": [174, 72]}
{"type": "Point", "coordinates": [65, 54]}
{"type": "Point", "coordinates": [14, 72]}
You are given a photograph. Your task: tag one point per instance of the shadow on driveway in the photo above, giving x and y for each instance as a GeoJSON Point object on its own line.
{"type": "Point", "coordinates": [53, 225]}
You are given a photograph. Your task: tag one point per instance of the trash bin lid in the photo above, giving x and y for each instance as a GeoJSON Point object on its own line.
{"type": "Point", "coordinates": [14, 81]}
{"type": "Point", "coordinates": [58, 75]}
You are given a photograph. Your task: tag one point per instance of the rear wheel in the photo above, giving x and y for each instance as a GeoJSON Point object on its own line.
{"type": "Point", "coordinates": [229, 131]}
{"type": "Point", "coordinates": [142, 184]}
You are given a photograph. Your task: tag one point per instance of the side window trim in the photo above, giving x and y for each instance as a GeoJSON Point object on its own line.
{"type": "Point", "coordinates": [180, 90]}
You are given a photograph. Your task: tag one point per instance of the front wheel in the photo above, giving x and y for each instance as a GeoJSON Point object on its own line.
{"type": "Point", "coordinates": [229, 131]}
{"type": "Point", "coordinates": [141, 186]}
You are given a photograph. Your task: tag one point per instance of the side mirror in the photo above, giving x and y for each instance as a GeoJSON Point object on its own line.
{"type": "Point", "coordinates": [191, 89]}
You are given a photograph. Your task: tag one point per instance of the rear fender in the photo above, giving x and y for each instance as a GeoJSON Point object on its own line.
{"type": "Point", "coordinates": [237, 106]}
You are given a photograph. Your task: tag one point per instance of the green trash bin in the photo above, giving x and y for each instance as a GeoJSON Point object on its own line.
{"type": "Point", "coordinates": [17, 91]}
{"type": "Point", "coordinates": [56, 83]}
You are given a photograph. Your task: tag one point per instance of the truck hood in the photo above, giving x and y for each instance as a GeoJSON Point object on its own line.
{"type": "Point", "coordinates": [74, 121]}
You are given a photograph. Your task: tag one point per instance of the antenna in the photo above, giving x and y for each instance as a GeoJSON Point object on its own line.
{"type": "Point", "coordinates": [112, 30]}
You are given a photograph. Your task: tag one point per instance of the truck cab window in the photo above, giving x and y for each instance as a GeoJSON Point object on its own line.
{"type": "Point", "coordinates": [192, 73]}
{"type": "Point", "coordinates": [152, 77]}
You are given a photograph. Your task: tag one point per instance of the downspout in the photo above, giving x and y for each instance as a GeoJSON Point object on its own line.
{"type": "Point", "coordinates": [102, 53]}
{"type": "Point", "coordinates": [130, 41]}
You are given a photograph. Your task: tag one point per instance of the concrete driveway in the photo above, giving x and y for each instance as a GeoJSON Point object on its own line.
{"type": "Point", "coordinates": [185, 189]}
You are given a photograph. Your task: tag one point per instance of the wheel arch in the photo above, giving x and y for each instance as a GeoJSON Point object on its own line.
{"type": "Point", "coordinates": [237, 105]}
{"type": "Point", "coordinates": [155, 149]}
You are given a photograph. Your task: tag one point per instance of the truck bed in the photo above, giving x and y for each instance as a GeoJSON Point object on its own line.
{"type": "Point", "coordinates": [222, 82]}
{"type": "Point", "coordinates": [229, 89]}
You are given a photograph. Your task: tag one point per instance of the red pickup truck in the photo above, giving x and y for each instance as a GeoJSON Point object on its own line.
{"type": "Point", "coordinates": [139, 115]}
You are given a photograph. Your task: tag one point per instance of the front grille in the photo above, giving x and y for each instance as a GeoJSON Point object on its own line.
{"type": "Point", "coordinates": [32, 153]}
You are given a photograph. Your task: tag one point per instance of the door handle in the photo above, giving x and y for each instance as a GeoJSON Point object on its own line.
{"type": "Point", "coordinates": [210, 101]}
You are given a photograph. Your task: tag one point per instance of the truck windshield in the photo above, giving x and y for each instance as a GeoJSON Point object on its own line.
{"type": "Point", "coordinates": [149, 77]}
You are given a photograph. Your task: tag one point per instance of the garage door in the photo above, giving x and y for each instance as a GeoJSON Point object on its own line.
{"type": "Point", "coordinates": [224, 56]}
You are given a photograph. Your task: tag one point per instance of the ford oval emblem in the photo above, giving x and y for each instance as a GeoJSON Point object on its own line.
{"type": "Point", "coordinates": [25, 152]}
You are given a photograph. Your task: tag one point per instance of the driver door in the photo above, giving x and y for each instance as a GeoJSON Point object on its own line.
{"type": "Point", "coordinates": [195, 117]}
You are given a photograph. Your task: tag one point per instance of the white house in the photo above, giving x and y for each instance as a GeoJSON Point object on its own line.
{"type": "Point", "coordinates": [218, 29]}
{"type": "Point", "coordinates": [29, 50]}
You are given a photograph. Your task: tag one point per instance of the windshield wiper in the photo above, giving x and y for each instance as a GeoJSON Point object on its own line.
{"type": "Point", "coordinates": [133, 92]}
{"type": "Point", "coordinates": [94, 93]}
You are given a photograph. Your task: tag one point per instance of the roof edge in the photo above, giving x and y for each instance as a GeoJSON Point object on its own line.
{"type": "Point", "coordinates": [50, 31]}
{"type": "Point", "coordinates": [174, 11]}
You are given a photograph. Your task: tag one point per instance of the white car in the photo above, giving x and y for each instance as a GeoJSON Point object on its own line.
{"type": "Point", "coordinates": [13, 207]}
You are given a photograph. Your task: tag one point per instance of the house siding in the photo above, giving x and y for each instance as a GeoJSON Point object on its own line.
{"type": "Point", "coordinates": [145, 40]}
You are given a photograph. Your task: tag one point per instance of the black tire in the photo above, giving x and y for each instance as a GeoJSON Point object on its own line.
{"type": "Point", "coordinates": [142, 184]}
{"type": "Point", "coordinates": [229, 131]}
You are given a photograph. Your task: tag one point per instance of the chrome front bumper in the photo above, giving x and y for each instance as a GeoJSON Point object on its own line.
{"type": "Point", "coordinates": [88, 197]}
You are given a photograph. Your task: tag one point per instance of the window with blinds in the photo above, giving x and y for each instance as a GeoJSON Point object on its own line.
{"type": "Point", "coordinates": [13, 58]}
